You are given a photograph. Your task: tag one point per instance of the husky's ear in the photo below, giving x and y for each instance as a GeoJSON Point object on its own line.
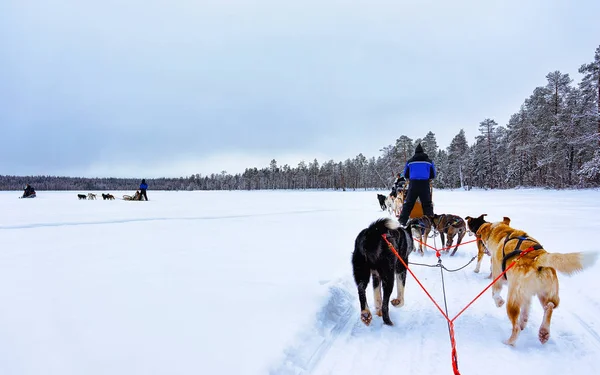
{"type": "Point", "coordinates": [481, 216]}
{"type": "Point", "coordinates": [506, 220]}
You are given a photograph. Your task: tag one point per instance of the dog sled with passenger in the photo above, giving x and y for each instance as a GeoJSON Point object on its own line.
{"type": "Point", "coordinates": [140, 193]}
{"type": "Point", "coordinates": [28, 192]}
{"type": "Point", "coordinates": [136, 197]}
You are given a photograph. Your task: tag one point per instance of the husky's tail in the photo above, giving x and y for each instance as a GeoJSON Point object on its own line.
{"type": "Point", "coordinates": [382, 226]}
{"type": "Point", "coordinates": [569, 263]}
{"type": "Point", "coordinates": [369, 239]}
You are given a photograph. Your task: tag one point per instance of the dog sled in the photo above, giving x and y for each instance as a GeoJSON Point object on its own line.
{"type": "Point", "coordinates": [136, 197]}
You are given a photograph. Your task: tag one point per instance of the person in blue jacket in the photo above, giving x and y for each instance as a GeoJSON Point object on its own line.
{"type": "Point", "coordinates": [419, 170]}
{"type": "Point", "coordinates": [143, 187]}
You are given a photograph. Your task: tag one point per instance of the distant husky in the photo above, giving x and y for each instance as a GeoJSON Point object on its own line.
{"type": "Point", "coordinates": [390, 204]}
{"type": "Point", "coordinates": [421, 227]}
{"type": "Point", "coordinates": [373, 258]}
{"type": "Point", "coordinates": [381, 199]}
{"type": "Point", "coordinates": [81, 196]}
{"type": "Point", "coordinates": [107, 196]}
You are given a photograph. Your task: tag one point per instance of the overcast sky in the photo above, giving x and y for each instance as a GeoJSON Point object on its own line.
{"type": "Point", "coordinates": [170, 88]}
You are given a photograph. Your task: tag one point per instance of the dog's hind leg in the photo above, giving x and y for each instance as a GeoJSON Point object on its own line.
{"type": "Point", "coordinates": [365, 313]}
{"type": "Point", "coordinates": [361, 276]}
{"type": "Point", "coordinates": [416, 232]}
{"type": "Point", "coordinates": [513, 310]}
{"type": "Point", "coordinates": [480, 254]}
{"type": "Point", "coordinates": [544, 333]}
{"type": "Point", "coordinates": [461, 234]}
{"type": "Point", "coordinates": [387, 282]}
{"type": "Point", "coordinates": [549, 303]}
{"type": "Point", "coordinates": [377, 292]}
{"type": "Point", "coordinates": [400, 281]}
{"type": "Point", "coordinates": [449, 241]}
{"type": "Point", "coordinates": [524, 318]}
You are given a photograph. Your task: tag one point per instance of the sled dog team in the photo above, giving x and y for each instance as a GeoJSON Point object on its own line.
{"type": "Point", "coordinates": [92, 196]}
{"type": "Point", "coordinates": [534, 274]}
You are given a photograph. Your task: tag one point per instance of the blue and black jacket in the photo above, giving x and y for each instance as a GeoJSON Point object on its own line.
{"type": "Point", "coordinates": [419, 167]}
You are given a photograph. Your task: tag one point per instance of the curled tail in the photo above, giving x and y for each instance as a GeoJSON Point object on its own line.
{"type": "Point", "coordinates": [382, 225]}
{"type": "Point", "coordinates": [569, 263]}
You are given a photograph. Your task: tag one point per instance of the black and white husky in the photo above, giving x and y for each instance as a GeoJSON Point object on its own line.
{"type": "Point", "coordinates": [372, 257]}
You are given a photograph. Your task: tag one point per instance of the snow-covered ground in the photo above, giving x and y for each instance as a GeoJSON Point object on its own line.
{"type": "Point", "coordinates": [260, 283]}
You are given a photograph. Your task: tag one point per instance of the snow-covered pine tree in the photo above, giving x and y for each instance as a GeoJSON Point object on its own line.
{"type": "Point", "coordinates": [488, 143]}
{"type": "Point", "coordinates": [590, 89]}
{"type": "Point", "coordinates": [429, 144]}
{"type": "Point", "coordinates": [457, 154]}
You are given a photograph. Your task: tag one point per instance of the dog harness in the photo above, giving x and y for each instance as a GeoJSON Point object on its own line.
{"type": "Point", "coordinates": [423, 223]}
{"type": "Point", "coordinates": [516, 252]}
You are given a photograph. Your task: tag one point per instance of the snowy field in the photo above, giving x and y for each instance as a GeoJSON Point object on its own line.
{"type": "Point", "coordinates": [260, 283]}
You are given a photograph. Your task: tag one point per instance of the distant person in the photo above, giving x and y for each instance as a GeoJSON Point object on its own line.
{"type": "Point", "coordinates": [28, 192]}
{"type": "Point", "coordinates": [399, 183]}
{"type": "Point", "coordinates": [419, 170]}
{"type": "Point", "coordinates": [143, 187]}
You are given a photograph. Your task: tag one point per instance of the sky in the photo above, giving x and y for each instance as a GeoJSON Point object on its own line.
{"type": "Point", "coordinates": [172, 88]}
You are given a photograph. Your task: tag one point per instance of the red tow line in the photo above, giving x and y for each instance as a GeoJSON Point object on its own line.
{"type": "Point", "coordinates": [451, 321]}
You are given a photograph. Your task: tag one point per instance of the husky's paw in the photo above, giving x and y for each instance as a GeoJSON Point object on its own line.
{"type": "Point", "coordinates": [522, 324]}
{"type": "Point", "coordinates": [544, 335]}
{"type": "Point", "coordinates": [499, 301]}
{"type": "Point", "coordinates": [397, 302]}
{"type": "Point", "coordinates": [366, 317]}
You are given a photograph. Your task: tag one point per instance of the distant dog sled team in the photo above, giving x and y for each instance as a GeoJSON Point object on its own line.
{"type": "Point", "coordinates": [411, 206]}
{"type": "Point", "coordinates": [140, 194]}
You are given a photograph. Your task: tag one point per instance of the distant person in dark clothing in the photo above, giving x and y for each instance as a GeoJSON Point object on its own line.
{"type": "Point", "coordinates": [29, 192]}
{"type": "Point", "coordinates": [143, 187]}
{"type": "Point", "coordinates": [399, 183]}
{"type": "Point", "coordinates": [419, 170]}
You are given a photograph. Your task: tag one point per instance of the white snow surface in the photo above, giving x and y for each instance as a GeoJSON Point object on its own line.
{"type": "Point", "coordinates": [261, 283]}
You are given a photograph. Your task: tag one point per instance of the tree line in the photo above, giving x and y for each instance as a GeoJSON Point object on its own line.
{"type": "Point", "coordinates": [552, 141]}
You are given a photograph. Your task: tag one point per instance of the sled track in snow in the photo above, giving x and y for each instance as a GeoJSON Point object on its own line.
{"type": "Point", "coordinates": [140, 220]}
{"type": "Point", "coordinates": [334, 321]}
{"type": "Point", "coordinates": [592, 332]}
